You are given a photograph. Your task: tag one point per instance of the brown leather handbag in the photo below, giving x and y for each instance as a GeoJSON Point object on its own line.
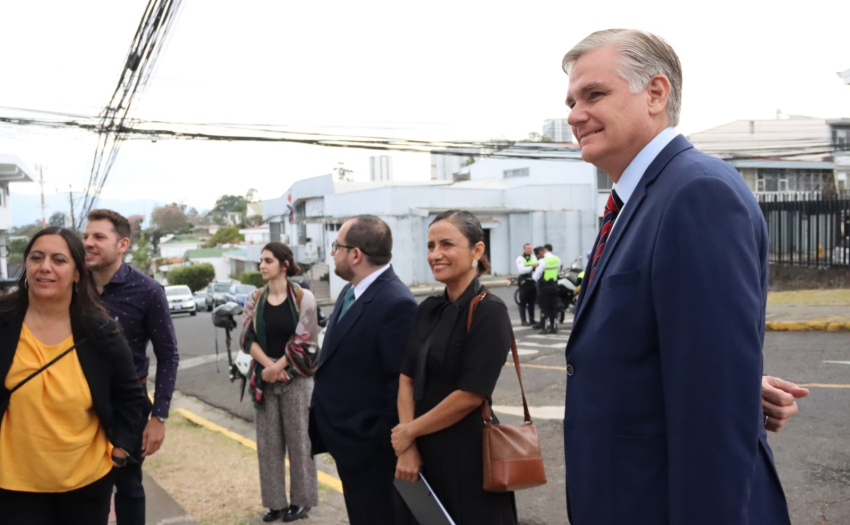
{"type": "Point", "coordinates": [512, 458]}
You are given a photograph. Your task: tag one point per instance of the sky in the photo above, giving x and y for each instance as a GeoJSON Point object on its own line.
{"type": "Point", "coordinates": [437, 70]}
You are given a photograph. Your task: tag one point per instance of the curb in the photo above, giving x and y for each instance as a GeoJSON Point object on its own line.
{"type": "Point", "coordinates": [807, 326]}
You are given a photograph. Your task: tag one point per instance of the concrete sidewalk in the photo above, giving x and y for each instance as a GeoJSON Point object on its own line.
{"type": "Point", "coordinates": [160, 507]}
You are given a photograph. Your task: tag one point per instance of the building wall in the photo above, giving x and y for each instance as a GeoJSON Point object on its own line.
{"type": "Point", "coordinates": [167, 251]}
{"type": "Point", "coordinates": [222, 267]}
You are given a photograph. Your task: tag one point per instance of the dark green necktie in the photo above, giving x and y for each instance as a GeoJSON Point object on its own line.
{"type": "Point", "coordinates": [346, 302]}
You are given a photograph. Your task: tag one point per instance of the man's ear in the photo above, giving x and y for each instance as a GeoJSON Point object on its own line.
{"type": "Point", "coordinates": [123, 245]}
{"type": "Point", "coordinates": [658, 90]}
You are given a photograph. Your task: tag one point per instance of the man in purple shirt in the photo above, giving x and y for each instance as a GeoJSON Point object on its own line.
{"type": "Point", "coordinates": [139, 305]}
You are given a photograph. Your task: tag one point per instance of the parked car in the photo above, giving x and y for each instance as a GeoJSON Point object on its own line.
{"type": "Point", "coordinates": [201, 300]}
{"type": "Point", "coordinates": [239, 292]}
{"type": "Point", "coordinates": [216, 294]}
{"type": "Point", "coordinates": [180, 299]}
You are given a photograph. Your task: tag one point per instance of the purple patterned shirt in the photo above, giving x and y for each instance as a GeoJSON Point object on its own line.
{"type": "Point", "coordinates": [139, 305]}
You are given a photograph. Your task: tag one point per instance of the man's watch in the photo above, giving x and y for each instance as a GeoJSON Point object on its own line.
{"type": "Point", "coordinates": [162, 419]}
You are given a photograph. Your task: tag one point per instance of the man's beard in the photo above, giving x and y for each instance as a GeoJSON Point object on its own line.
{"type": "Point", "coordinates": [345, 274]}
{"type": "Point", "coordinates": [104, 262]}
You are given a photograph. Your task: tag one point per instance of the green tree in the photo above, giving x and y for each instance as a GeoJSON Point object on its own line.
{"type": "Point", "coordinates": [255, 278]}
{"type": "Point", "coordinates": [195, 276]}
{"type": "Point", "coordinates": [226, 204]}
{"type": "Point", "coordinates": [142, 254]}
{"type": "Point", "coordinates": [57, 220]}
{"type": "Point", "coordinates": [17, 246]}
{"type": "Point", "coordinates": [224, 236]}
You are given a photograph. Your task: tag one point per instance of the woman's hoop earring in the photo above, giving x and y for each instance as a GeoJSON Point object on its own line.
{"type": "Point", "coordinates": [475, 264]}
{"type": "Point", "coordinates": [26, 282]}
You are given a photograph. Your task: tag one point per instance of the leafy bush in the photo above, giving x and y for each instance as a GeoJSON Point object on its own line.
{"type": "Point", "coordinates": [255, 278]}
{"type": "Point", "coordinates": [195, 276]}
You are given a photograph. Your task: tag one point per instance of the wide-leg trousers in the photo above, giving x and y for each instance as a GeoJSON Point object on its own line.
{"type": "Point", "coordinates": [282, 430]}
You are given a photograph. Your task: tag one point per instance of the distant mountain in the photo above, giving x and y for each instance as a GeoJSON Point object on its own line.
{"type": "Point", "coordinates": [26, 209]}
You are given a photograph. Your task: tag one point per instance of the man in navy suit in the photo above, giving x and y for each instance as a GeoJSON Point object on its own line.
{"type": "Point", "coordinates": [354, 405]}
{"type": "Point", "coordinates": [663, 420]}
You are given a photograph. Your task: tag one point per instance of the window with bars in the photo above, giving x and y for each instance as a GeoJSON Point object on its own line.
{"type": "Point", "coordinates": [603, 181]}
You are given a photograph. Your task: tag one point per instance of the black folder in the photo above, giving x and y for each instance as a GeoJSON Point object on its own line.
{"type": "Point", "coordinates": [423, 503]}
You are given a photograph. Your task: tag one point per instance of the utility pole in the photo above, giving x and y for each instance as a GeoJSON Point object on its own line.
{"type": "Point", "coordinates": [41, 182]}
{"type": "Point", "coordinates": [73, 217]}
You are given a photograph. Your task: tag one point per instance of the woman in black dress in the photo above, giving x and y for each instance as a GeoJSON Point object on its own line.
{"type": "Point", "coordinates": [449, 372]}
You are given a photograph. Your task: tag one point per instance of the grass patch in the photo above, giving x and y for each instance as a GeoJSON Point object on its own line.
{"type": "Point", "coordinates": [810, 298]}
{"type": "Point", "coordinates": [213, 477]}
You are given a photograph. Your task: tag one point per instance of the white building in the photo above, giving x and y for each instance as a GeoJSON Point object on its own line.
{"type": "Point", "coordinates": [256, 234]}
{"type": "Point", "coordinates": [175, 246]}
{"type": "Point", "coordinates": [447, 164]}
{"type": "Point", "coordinates": [792, 156]}
{"type": "Point", "coordinates": [214, 256]}
{"type": "Point", "coordinates": [12, 169]}
{"type": "Point", "coordinates": [557, 130]}
{"type": "Point", "coordinates": [517, 201]}
{"type": "Point", "coordinates": [381, 168]}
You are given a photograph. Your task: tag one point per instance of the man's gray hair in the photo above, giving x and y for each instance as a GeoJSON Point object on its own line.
{"type": "Point", "coordinates": [642, 56]}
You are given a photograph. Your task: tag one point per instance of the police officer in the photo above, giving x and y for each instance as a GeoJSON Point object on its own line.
{"type": "Point", "coordinates": [546, 275]}
{"type": "Point", "coordinates": [525, 265]}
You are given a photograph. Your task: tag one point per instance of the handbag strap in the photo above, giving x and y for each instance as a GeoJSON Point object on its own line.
{"type": "Point", "coordinates": [485, 406]}
{"type": "Point", "coordinates": [42, 369]}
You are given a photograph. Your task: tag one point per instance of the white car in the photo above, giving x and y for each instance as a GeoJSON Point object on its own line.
{"type": "Point", "coordinates": [180, 299]}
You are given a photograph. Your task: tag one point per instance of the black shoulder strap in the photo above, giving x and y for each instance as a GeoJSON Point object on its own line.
{"type": "Point", "coordinates": [57, 358]}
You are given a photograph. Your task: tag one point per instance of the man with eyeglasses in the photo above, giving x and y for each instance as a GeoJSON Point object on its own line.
{"type": "Point", "coordinates": [354, 409]}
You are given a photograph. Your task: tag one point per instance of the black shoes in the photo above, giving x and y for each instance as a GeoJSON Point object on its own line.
{"type": "Point", "coordinates": [274, 515]}
{"type": "Point", "coordinates": [294, 512]}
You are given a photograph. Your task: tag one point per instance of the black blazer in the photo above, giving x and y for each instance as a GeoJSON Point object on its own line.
{"type": "Point", "coordinates": [354, 408]}
{"type": "Point", "coordinates": [118, 398]}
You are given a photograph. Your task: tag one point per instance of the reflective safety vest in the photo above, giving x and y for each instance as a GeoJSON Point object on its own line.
{"type": "Point", "coordinates": [552, 264]}
{"type": "Point", "coordinates": [530, 261]}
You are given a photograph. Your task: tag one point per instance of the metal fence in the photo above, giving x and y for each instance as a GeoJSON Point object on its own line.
{"type": "Point", "coordinates": [809, 230]}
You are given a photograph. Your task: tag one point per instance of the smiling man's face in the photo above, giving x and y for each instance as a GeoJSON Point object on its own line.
{"type": "Point", "coordinates": [610, 123]}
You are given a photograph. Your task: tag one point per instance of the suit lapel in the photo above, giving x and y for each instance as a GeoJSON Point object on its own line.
{"type": "Point", "coordinates": [676, 146]}
{"type": "Point", "coordinates": [338, 328]}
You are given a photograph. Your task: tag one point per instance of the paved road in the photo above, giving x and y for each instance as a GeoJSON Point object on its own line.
{"type": "Point", "coordinates": [812, 454]}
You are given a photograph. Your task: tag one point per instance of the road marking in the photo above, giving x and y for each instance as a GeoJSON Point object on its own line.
{"type": "Point", "coordinates": [521, 328]}
{"type": "Point", "coordinates": [541, 345]}
{"type": "Point", "coordinates": [546, 412]}
{"type": "Point", "coordinates": [546, 367]}
{"type": "Point", "coordinates": [563, 338]}
{"type": "Point", "coordinates": [526, 351]}
{"type": "Point", "coordinates": [838, 362]}
{"type": "Point", "coordinates": [324, 478]}
{"type": "Point", "coordinates": [823, 385]}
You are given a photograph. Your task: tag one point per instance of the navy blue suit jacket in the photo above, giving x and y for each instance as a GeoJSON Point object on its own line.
{"type": "Point", "coordinates": [663, 422]}
{"type": "Point", "coordinates": [354, 405]}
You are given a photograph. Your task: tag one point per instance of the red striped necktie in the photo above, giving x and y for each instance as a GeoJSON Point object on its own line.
{"type": "Point", "coordinates": [612, 209]}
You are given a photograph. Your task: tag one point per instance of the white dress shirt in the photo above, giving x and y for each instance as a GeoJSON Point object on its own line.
{"type": "Point", "coordinates": [368, 280]}
{"type": "Point", "coordinates": [638, 166]}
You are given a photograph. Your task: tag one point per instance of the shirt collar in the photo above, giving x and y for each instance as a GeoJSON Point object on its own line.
{"type": "Point", "coordinates": [121, 275]}
{"type": "Point", "coordinates": [636, 168]}
{"type": "Point", "coordinates": [368, 280]}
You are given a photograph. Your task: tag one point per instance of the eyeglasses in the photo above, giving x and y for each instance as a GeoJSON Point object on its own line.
{"type": "Point", "coordinates": [335, 246]}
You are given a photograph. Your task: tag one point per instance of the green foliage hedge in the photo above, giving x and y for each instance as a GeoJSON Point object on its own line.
{"type": "Point", "coordinates": [195, 276]}
{"type": "Point", "coordinates": [255, 278]}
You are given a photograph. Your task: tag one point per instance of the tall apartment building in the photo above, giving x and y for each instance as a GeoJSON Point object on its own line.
{"type": "Point", "coordinates": [557, 130]}
{"type": "Point", "coordinates": [381, 168]}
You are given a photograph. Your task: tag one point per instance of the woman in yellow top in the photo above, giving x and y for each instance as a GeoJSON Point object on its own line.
{"type": "Point", "coordinates": [67, 417]}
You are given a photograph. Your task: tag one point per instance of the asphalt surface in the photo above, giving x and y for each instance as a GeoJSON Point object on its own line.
{"type": "Point", "coordinates": [812, 453]}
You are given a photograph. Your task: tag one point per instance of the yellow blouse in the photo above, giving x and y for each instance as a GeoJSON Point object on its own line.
{"type": "Point", "coordinates": [51, 439]}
